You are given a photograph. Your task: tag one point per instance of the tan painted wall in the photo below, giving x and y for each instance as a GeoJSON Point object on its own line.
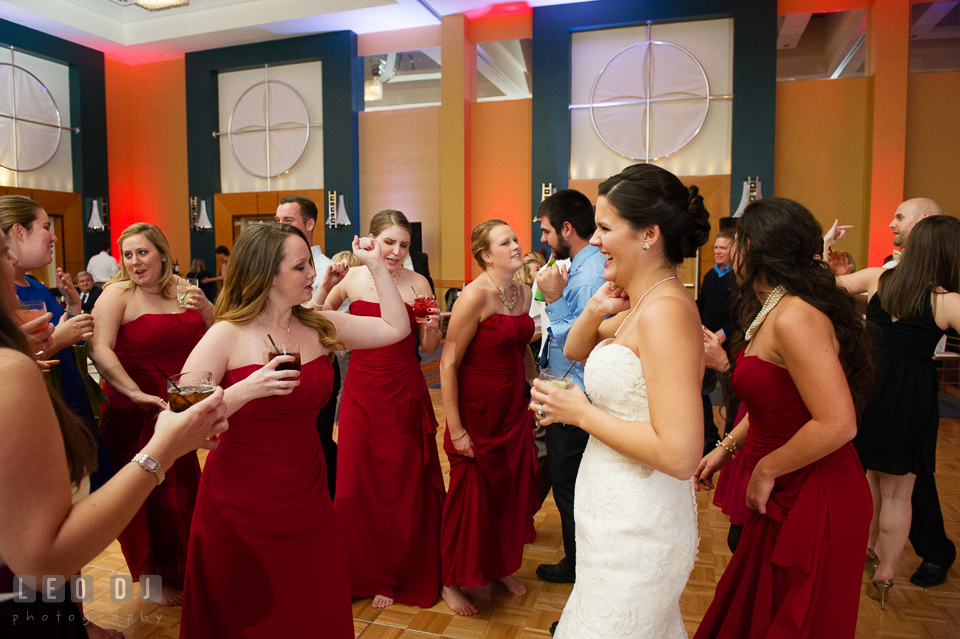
{"type": "Point", "coordinates": [933, 139]}
{"type": "Point", "coordinates": [822, 154]}
{"type": "Point", "coordinates": [400, 169]}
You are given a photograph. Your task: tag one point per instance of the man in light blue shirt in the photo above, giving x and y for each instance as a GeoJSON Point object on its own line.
{"type": "Point", "coordinates": [567, 223]}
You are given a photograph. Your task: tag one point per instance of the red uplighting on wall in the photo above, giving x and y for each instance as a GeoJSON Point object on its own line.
{"type": "Point", "coordinates": [499, 10]}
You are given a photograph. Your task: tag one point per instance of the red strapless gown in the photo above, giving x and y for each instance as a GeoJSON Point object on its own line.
{"type": "Point", "coordinates": [389, 483]}
{"type": "Point", "coordinates": [798, 569]}
{"type": "Point", "coordinates": [488, 514]}
{"type": "Point", "coordinates": [266, 558]}
{"type": "Point", "coordinates": [161, 529]}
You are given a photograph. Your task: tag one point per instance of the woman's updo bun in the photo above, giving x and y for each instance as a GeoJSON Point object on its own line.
{"type": "Point", "coordinates": [646, 195]}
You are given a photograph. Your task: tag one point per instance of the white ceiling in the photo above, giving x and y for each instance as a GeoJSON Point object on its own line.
{"type": "Point", "coordinates": [134, 35]}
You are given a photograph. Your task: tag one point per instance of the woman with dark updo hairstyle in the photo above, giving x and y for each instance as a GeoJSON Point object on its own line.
{"type": "Point", "coordinates": [634, 502]}
{"type": "Point", "coordinates": [802, 372]}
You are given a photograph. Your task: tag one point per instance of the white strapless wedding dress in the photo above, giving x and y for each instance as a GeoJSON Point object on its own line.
{"type": "Point", "coordinates": [636, 527]}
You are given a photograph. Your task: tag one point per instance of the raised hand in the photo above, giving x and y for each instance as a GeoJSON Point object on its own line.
{"type": "Point", "coordinates": [65, 285]}
{"type": "Point", "coordinates": [197, 427]}
{"type": "Point", "coordinates": [367, 249]}
{"type": "Point", "coordinates": [39, 333]}
{"type": "Point", "coordinates": [836, 233]}
{"type": "Point", "coordinates": [334, 274]}
{"type": "Point", "coordinates": [269, 382]}
{"type": "Point", "coordinates": [557, 405]}
{"type": "Point", "coordinates": [611, 299]}
{"type": "Point", "coordinates": [551, 280]}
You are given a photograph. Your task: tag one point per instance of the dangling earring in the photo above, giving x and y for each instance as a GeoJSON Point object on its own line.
{"type": "Point", "coordinates": [645, 246]}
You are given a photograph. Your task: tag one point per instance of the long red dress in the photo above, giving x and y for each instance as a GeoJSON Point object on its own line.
{"type": "Point", "coordinates": [266, 557]}
{"type": "Point", "coordinates": [161, 528]}
{"type": "Point", "coordinates": [797, 570]}
{"type": "Point", "coordinates": [488, 514]}
{"type": "Point", "coordinates": [389, 483]}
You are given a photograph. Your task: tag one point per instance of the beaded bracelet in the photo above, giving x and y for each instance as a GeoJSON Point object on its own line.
{"type": "Point", "coordinates": [732, 451]}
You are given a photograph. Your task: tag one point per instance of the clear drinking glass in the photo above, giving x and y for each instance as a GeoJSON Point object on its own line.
{"type": "Point", "coordinates": [292, 349]}
{"type": "Point", "coordinates": [183, 289]}
{"type": "Point", "coordinates": [556, 378]}
{"type": "Point", "coordinates": [186, 389]}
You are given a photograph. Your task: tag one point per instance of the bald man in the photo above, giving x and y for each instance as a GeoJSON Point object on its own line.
{"type": "Point", "coordinates": [908, 214]}
{"type": "Point", "coordinates": [927, 534]}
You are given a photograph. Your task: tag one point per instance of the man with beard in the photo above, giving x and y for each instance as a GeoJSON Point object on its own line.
{"type": "Point", "coordinates": [567, 223]}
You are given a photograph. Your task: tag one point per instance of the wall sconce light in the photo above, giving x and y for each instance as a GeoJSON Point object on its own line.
{"type": "Point", "coordinates": [752, 191]}
{"type": "Point", "coordinates": [546, 190]}
{"type": "Point", "coordinates": [336, 211]}
{"type": "Point", "coordinates": [98, 215]}
{"type": "Point", "coordinates": [199, 220]}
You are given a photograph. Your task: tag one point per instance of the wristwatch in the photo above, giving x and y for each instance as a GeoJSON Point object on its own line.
{"type": "Point", "coordinates": [151, 465]}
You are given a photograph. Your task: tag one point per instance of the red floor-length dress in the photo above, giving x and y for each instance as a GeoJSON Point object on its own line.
{"type": "Point", "coordinates": [160, 530]}
{"type": "Point", "coordinates": [797, 570]}
{"type": "Point", "coordinates": [266, 557]}
{"type": "Point", "coordinates": [389, 483]}
{"type": "Point", "coordinates": [488, 514]}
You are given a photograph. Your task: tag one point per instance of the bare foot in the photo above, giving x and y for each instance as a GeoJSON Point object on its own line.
{"type": "Point", "coordinates": [381, 601]}
{"type": "Point", "coordinates": [514, 585]}
{"type": "Point", "coordinates": [96, 632]}
{"type": "Point", "coordinates": [457, 601]}
{"type": "Point", "coordinates": [171, 596]}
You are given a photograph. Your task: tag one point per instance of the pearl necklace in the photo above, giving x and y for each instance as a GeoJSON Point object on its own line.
{"type": "Point", "coordinates": [396, 278]}
{"type": "Point", "coordinates": [503, 298]}
{"type": "Point", "coordinates": [633, 310]}
{"type": "Point", "coordinates": [773, 299]}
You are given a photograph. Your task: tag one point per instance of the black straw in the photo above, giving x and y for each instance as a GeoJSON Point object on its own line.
{"type": "Point", "coordinates": [570, 369]}
{"type": "Point", "coordinates": [179, 392]}
{"type": "Point", "coordinates": [276, 349]}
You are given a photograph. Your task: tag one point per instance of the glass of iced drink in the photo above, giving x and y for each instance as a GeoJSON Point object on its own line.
{"type": "Point", "coordinates": [30, 311]}
{"type": "Point", "coordinates": [183, 289]}
{"type": "Point", "coordinates": [186, 389]}
{"type": "Point", "coordinates": [556, 378]}
{"type": "Point", "coordinates": [292, 349]}
{"type": "Point", "coordinates": [424, 307]}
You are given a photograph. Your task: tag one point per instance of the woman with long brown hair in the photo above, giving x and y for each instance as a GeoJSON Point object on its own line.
{"type": "Point", "coordinates": [489, 440]}
{"type": "Point", "coordinates": [142, 333]}
{"type": "Point", "coordinates": [801, 371]}
{"type": "Point", "coordinates": [266, 555]}
{"type": "Point", "coordinates": [51, 526]}
{"type": "Point", "coordinates": [910, 307]}
{"type": "Point", "coordinates": [387, 460]}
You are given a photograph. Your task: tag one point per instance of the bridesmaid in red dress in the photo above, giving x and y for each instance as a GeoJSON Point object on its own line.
{"type": "Point", "coordinates": [389, 483]}
{"type": "Point", "coordinates": [800, 368]}
{"type": "Point", "coordinates": [139, 325]}
{"type": "Point", "coordinates": [266, 556]}
{"type": "Point", "coordinates": [484, 370]}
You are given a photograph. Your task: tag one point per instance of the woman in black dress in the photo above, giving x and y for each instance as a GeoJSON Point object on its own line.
{"type": "Point", "coordinates": [910, 307]}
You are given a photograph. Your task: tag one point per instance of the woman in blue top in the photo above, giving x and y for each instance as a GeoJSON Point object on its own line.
{"type": "Point", "coordinates": [30, 238]}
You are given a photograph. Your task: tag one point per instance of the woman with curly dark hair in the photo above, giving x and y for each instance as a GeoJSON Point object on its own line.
{"type": "Point", "coordinates": [802, 372]}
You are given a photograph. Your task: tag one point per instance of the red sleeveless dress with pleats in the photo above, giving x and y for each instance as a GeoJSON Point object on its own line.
{"type": "Point", "coordinates": [266, 558]}
{"type": "Point", "coordinates": [488, 514]}
{"type": "Point", "coordinates": [798, 569]}
{"type": "Point", "coordinates": [161, 528]}
{"type": "Point", "coordinates": [389, 483]}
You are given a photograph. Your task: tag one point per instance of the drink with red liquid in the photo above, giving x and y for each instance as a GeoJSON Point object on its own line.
{"type": "Point", "coordinates": [31, 310]}
{"type": "Point", "coordinates": [423, 307]}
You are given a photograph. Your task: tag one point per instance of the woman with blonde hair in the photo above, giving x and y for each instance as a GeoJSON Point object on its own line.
{"type": "Point", "coordinates": [387, 448]}
{"type": "Point", "coordinates": [484, 370]}
{"type": "Point", "coordinates": [51, 525]}
{"type": "Point", "coordinates": [140, 331]}
{"type": "Point", "coordinates": [265, 540]}
{"type": "Point", "coordinates": [532, 263]}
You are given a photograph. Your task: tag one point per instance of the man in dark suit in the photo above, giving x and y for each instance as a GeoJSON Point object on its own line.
{"type": "Point", "coordinates": [89, 292]}
{"type": "Point", "coordinates": [713, 303]}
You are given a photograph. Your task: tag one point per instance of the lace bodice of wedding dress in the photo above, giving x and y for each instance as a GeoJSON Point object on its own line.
{"type": "Point", "coordinates": [636, 527]}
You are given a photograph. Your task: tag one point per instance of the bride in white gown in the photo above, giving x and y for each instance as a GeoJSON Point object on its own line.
{"type": "Point", "coordinates": [634, 506]}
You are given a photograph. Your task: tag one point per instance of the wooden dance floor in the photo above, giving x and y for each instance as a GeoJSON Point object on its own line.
{"type": "Point", "coordinates": [911, 611]}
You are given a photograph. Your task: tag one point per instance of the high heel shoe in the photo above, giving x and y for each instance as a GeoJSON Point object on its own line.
{"type": "Point", "coordinates": [880, 591]}
{"type": "Point", "coordinates": [871, 563]}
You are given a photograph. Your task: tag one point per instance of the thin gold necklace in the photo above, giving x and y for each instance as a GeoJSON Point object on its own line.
{"type": "Point", "coordinates": [286, 328]}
